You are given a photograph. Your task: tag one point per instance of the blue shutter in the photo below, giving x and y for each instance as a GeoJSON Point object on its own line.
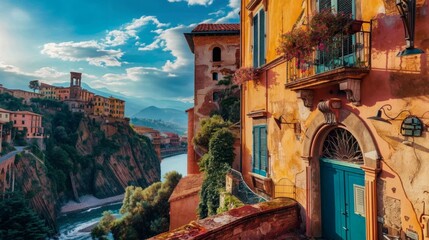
{"type": "Point", "coordinates": [255, 40]}
{"type": "Point", "coordinates": [264, 152]}
{"type": "Point", "coordinates": [260, 153]}
{"type": "Point", "coordinates": [261, 37]}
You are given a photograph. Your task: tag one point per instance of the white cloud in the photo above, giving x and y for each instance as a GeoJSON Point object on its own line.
{"type": "Point", "coordinates": [234, 4]}
{"type": "Point", "coordinates": [120, 36]}
{"type": "Point", "coordinates": [176, 44]}
{"type": "Point", "coordinates": [91, 51]}
{"type": "Point", "coordinates": [48, 74]}
{"type": "Point", "coordinates": [231, 15]}
{"type": "Point", "coordinates": [186, 99]}
{"type": "Point", "coordinates": [195, 2]}
{"type": "Point", "coordinates": [154, 45]}
{"type": "Point", "coordinates": [217, 13]}
{"type": "Point", "coordinates": [131, 74]}
{"type": "Point", "coordinates": [99, 53]}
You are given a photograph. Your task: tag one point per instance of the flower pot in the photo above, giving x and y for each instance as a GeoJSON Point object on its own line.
{"type": "Point", "coordinates": [354, 27]}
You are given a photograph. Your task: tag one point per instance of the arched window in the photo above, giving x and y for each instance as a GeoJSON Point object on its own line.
{"type": "Point", "coordinates": [215, 76]}
{"type": "Point", "coordinates": [341, 145]}
{"type": "Point", "coordinates": [217, 54]}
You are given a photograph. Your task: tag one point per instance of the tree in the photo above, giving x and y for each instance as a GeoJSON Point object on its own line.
{"type": "Point", "coordinates": [34, 84]}
{"type": "Point", "coordinates": [18, 221]}
{"type": "Point", "coordinates": [215, 164]}
{"type": "Point", "coordinates": [229, 102]}
{"type": "Point", "coordinates": [208, 128]}
{"type": "Point", "coordinates": [146, 212]}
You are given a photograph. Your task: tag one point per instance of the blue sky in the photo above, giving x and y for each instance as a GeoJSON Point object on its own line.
{"type": "Point", "coordinates": [135, 47]}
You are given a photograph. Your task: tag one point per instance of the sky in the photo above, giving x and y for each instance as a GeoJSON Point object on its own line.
{"type": "Point", "coordinates": [134, 47]}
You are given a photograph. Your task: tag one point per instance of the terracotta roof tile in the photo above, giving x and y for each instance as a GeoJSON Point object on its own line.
{"type": "Point", "coordinates": [208, 27]}
{"type": "Point", "coordinates": [187, 185]}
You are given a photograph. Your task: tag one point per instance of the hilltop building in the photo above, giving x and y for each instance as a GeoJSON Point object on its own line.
{"type": "Point", "coordinates": [82, 100]}
{"type": "Point", "coordinates": [341, 131]}
{"type": "Point", "coordinates": [30, 121]}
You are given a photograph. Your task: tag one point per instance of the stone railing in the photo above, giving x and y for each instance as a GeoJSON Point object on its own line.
{"type": "Point", "coordinates": [266, 220]}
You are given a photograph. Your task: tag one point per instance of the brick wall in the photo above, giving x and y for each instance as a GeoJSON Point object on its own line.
{"type": "Point", "coordinates": [267, 220]}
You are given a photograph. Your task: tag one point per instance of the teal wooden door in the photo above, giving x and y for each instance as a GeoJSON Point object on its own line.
{"type": "Point", "coordinates": [342, 196]}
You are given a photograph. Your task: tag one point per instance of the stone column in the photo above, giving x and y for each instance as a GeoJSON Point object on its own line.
{"type": "Point", "coordinates": [371, 202]}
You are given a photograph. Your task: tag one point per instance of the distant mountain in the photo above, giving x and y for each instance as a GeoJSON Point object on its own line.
{"type": "Point", "coordinates": [159, 125]}
{"type": "Point", "coordinates": [134, 104]}
{"type": "Point", "coordinates": [169, 115]}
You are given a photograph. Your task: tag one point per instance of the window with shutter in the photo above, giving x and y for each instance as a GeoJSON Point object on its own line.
{"type": "Point", "coordinates": [260, 153]}
{"type": "Point", "coordinates": [259, 39]}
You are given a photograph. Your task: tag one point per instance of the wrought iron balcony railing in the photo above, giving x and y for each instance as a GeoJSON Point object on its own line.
{"type": "Point", "coordinates": [345, 54]}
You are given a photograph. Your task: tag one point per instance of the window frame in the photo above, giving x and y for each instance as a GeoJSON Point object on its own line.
{"type": "Point", "coordinates": [218, 58]}
{"type": "Point", "coordinates": [258, 165]}
{"type": "Point", "coordinates": [259, 38]}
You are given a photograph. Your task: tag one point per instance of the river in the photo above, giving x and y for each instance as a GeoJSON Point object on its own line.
{"type": "Point", "coordinates": [70, 225]}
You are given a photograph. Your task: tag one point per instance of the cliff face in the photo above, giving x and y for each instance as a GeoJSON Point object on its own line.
{"type": "Point", "coordinates": [118, 158]}
{"type": "Point", "coordinates": [31, 178]}
{"type": "Point", "coordinates": [114, 157]}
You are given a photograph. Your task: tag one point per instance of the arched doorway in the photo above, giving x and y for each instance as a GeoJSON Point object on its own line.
{"type": "Point", "coordinates": [342, 186]}
{"type": "Point", "coordinates": [365, 163]}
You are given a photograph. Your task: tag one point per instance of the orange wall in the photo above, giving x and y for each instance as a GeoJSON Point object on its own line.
{"type": "Point", "coordinates": [184, 210]}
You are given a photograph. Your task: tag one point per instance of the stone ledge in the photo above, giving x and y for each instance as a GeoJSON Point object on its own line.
{"type": "Point", "coordinates": [261, 220]}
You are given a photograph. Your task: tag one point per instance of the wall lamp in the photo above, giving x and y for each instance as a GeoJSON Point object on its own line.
{"type": "Point", "coordinates": [411, 126]}
{"type": "Point", "coordinates": [279, 119]}
{"type": "Point", "coordinates": [407, 10]}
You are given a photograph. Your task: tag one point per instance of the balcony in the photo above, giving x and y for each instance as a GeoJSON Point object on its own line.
{"type": "Point", "coordinates": [345, 61]}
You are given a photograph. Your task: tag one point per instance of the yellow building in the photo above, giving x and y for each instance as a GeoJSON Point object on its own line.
{"type": "Point", "coordinates": [117, 107]}
{"type": "Point", "coordinates": [308, 125]}
{"type": "Point", "coordinates": [48, 91]}
{"type": "Point", "coordinates": [101, 106]}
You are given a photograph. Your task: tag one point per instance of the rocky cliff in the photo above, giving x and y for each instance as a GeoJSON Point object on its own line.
{"type": "Point", "coordinates": [32, 179]}
{"type": "Point", "coordinates": [112, 157]}
{"type": "Point", "coordinates": [119, 158]}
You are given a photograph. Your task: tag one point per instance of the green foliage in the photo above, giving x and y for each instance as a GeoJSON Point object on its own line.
{"type": "Point", "coordinates": [215, 164]}
{"type": "Point", "coordinates": [229, 103]}
{"type": "Point", "coordinates": [208, 128]}
{"type": "Point", "coordinates": [104, 226]}
{"type": "Point", "coordinates": [34, 84]}
{"type": "Point", "coordinates": [145, 211]}
{"type": "Point", "coordinates": [6, 148]}
{"type": "Point", "coordinates": [229, 202]}
{"type": "Point", "coordinates": [18, 220]}
{"type": "Point", "coordinates": [19, 136]}
{"type": "Point", "coordinates": [12, 103]}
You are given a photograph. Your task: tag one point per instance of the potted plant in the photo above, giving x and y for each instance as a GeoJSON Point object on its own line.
{"type": "Point", "coordinates": [245, 74]}
{"type": "Point", "coordinates": [296, 44]}
{"type": "Point", "coordinates": [326, 25]}
{"type": "Point", "coordinates": [354, 26]}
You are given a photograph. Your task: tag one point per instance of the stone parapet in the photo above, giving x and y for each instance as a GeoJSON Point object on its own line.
{"type": "Point", "coordinates": [267, 220]}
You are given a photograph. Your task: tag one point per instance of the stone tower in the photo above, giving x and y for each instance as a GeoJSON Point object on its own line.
{"type": "Point", "coordinates": [75, 85]}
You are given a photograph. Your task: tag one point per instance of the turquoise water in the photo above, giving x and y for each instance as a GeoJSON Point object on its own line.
{"type": "Point", "coordinates": [70, 225]}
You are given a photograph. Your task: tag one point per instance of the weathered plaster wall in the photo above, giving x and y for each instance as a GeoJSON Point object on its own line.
{"type": "Point", "coordinates": [403, 182]}
{"type": "Point", "coordinates": [184, 210]}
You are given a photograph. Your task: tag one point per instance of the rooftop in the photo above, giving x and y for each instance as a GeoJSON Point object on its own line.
{"type": "Point", "coordinates": [187, 185]}
{"type": "Point", "coordinates": [209, 27]}
{"type": "Point", "coordinates": [212, 29]}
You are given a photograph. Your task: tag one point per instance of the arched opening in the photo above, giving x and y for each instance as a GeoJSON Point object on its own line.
{"type": "Point", "coordinates": [342, 186]}
{"type": "Point", "coordinates": [322, 141]}
{"type": "Point", "coordinates": [217, 54]}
